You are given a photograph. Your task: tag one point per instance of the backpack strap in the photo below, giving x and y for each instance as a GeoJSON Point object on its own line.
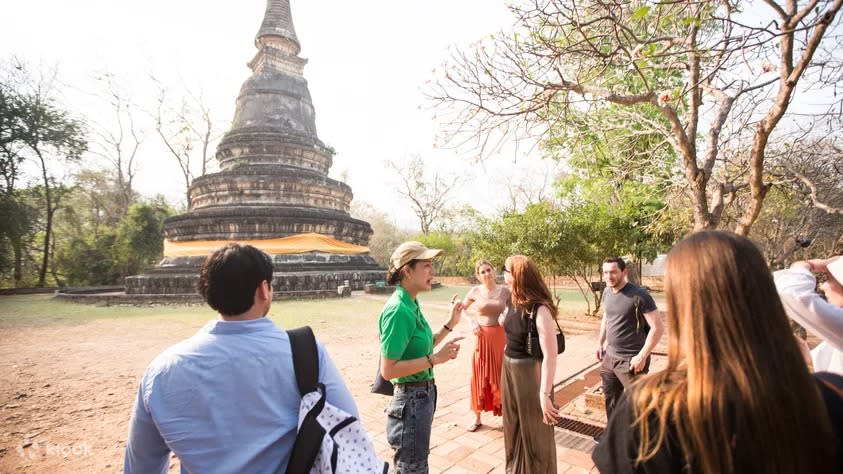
{"type": "Point", "coordinates": [305, 358]}
{"type": "Point", "coordinates": [306, 364]}
{"type": "Point", "coordinates": [533, 327]}
{"type": "Point", "coordinates": [640, 319]}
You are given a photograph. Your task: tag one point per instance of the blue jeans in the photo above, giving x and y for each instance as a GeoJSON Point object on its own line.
{"type": "Point", "coordinates": [408, 424]}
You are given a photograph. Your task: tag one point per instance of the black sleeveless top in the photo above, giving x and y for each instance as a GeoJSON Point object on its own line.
{"type": "Point", "coordinates": [515, 326]}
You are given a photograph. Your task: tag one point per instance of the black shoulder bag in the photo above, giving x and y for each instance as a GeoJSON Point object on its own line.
{"type": "Point", "coordinates": [533, 346]}
{"type": "Point", "coordinates": [381, 385]}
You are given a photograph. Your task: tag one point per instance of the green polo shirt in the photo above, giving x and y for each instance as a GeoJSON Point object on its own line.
{"type": "Point", "coordinates": [404, 333]}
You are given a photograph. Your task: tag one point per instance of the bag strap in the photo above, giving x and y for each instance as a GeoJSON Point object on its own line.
{"type": "Point", "coordinates": [640, 320]}
{"type": "Point", "coordinates": [532, 319]}
{"type": "Point", "coordinates": [309, 436]}
{"type": "Point", "coordinates": [308, 441]}
{"type": "Point", "coordinates": [305, 358]}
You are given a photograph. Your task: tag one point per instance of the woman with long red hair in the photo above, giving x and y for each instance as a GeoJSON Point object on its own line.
{"type": "Point", "coordinates": [529, 413]}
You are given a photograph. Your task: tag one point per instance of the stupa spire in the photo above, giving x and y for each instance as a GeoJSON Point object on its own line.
{"type": "Point", "coordinates": [272, 185]}
{"type": "Point", "coordinates": [278, 24]}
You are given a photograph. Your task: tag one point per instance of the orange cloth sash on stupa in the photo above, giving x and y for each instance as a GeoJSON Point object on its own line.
{"type": "Point", "coordinates": [301, 243]}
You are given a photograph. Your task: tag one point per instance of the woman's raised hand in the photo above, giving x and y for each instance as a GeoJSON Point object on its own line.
{"type": "Point", "coordinates": [456, 311]}
{"type": "Point", "coordinates": [449, 351]}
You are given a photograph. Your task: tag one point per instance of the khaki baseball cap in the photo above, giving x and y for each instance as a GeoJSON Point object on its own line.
{"type": "Point", "coordinates": [412, 250]}
{"type": "Point", "coordinates": [836, 269]}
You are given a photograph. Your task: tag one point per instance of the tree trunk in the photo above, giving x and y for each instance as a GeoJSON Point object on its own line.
{"type": "Point", "coordinates": [48, 228]}
{"type": "Point", "coordinates": [17, 248]}
{"type": "Point", "coordinates": [48, 234]}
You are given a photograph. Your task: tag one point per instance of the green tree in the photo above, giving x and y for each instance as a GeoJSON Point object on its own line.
{"type": "Point", "coordinates": [16, 215]}
{"type": "Point", "coordinates": [570, 241]}
{"type": "Point", "coordinates": [86, 229]}
{"type": "Point", "coordinates": [720, 80]}
{"type": "Point", "coordinates": [35, 127]}
{"type": "Point", "coordinates": [90, 260]}
{"type": "Point", "coordinates": [54, 135]}
{"type": "Point", "coordinates": [139, 243]}
{"type": "Point", "coordinates": [457, 260]}
{"type": "Point", "coordinates": [18, 221]}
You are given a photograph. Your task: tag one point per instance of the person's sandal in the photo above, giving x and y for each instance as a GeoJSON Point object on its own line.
{"type": "Point", "coordinates": [474, 427]}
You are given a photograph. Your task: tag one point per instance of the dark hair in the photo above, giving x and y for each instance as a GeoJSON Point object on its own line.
{"type": "Point", "coordinates": [621, 263]}
{"type": "Point", "coordinates": [394, 276]}
{"type": "Point", "coordinates": [231, 275]}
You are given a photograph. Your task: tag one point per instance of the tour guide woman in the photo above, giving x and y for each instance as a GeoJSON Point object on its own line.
{"type": "Point", "coordinates": [407, 356]}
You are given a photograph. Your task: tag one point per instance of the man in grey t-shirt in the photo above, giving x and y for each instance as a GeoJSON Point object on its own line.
{"type": "Point", "coordinates": [632, 326]}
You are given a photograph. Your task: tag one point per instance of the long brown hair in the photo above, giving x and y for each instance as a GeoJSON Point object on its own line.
{"type": "Point", "coordinates": [528, 286]}
{"type": "Point", "coordinates": [736, 389]}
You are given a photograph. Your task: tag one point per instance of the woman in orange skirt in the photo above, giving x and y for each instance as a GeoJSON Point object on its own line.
{"type": "Point", "coordinates": [489, 302]}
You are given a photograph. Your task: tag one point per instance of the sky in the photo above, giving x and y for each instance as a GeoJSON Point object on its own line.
{"type": "Point", "coordinates": [367, 65]}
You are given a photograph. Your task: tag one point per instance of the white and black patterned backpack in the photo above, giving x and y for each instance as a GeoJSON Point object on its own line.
{"type": "Point", "coordinates": [329, 440]}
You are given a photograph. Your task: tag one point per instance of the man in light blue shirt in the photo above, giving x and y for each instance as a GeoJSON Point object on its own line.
{"type": "Point", "coordinates": [226, 399]}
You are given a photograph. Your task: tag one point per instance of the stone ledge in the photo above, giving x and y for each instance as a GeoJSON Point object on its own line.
{"type": "Point", "coordinates": [27, 291]}
{"type": "Point", "coordinates": [117, 299]}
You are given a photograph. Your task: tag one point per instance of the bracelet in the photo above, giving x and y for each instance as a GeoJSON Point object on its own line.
{"type": "Point", "coordinates": [429, 360]}
{"type": "Point", "coordinates": [446, 327]}
{"type": "Point", "coordinates": [548, 394]}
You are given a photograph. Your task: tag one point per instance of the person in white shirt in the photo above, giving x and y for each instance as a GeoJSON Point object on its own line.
{"type": "Point", "coordinates": [822, 317]}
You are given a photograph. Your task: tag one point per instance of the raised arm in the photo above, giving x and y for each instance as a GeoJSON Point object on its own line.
{"type": "Point", "coordinates": [796, 287]}
{"type": "Point", "coordinates": [453, 319]}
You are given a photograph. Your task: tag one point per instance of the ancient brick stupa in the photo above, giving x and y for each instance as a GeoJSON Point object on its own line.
{"type": "Point", "coordinates": [273, 190]}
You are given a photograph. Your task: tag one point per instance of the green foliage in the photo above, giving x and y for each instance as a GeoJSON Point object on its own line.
{"type": "Point", "coordinates": [570, 240]}
{"type": "Point", "coordinates": [636, 84]}
{"type": "Point", "coordinates": [34, 127]}
{"type": "Point", "coordinates": [139, 243]}
{"type": "Point", "coordinates": [12, 133]}
{"type": "Point", "coordinates": [92, 255]}
{"type": "Point", "coordinates": [18, 221]}
{"type": "Point", "coordinates": [460, 220]}
{"type": "Point", "coordinates": [52, 130]}
{"type": "Point", "coordinates": [84, 262]}
{"type": "Point", "coordinates": [457, 261]}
